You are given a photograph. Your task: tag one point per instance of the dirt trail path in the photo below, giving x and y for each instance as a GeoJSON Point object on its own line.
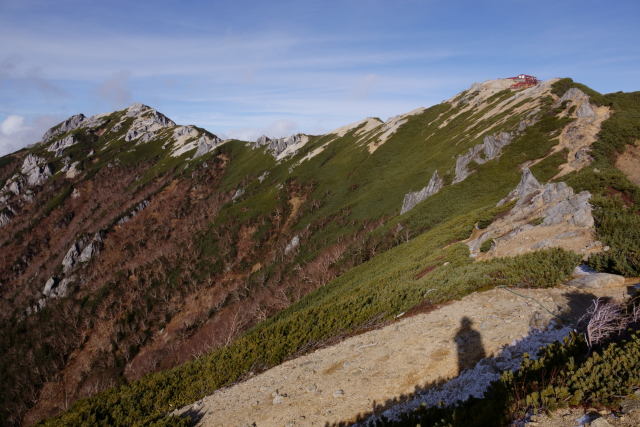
{"type": "Point", "coordinates": [339, 382]}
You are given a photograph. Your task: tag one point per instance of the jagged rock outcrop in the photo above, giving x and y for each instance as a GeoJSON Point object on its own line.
{"type": "Point", "coordinates": [35, 170]}
{"type": "Point", "coordinates": [81, 251]}
{"type": "Point", "coordinates": [581, 100]}
{"type": "Point", "coordinates": [544, 216]}
{"type": "Point", "coordinates": [412, 199]}
{"type": "Point", "coordinates": [70, 124]}
{"type": "Point", "coordinates": [56, 288]}
{"type": "Point", "coordinates": [188, 138]}
{"type": "Point", "coordinates": [5, 216]}
{"type": "Point", "coordinates": [135, 211]}
{"type": "Point", "coordinates": [490, 148]}
{"type": "Point", "coordinates": [282, 147]}
{"type": "Point", "coordinates": [292, 245]}
{"type": "Point", "coordinates": [18, 189]}
{"type": "Point", "coordinates": [528, 185]}
{"type": "Point", "coordinates": [72, 170]}
{"type": "Point", "coordinates": [59, 146]}
{"type": "Point", "coordinates": [147, 123]}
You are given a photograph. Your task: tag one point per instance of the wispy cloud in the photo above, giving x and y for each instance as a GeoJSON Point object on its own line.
{"type": "Point", "coordinates": [246, 68]}
{"type": "Point", "coordinates": [17, 131]}
{"type": "Point", "coordinates": [115, 90]}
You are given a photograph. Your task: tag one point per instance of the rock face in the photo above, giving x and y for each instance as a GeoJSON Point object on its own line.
{"type": "Point", "coordinates": [206, 144]}
{"type": "Point", "coordinates": [81, 251]}
{"type": "Point", "coordinates": [135, 211]}
{"type": "Point", "coordinates": [59, 146]}
{"type": "Point", "coordinates": [146, 124]}
{"type": "Point", "coordinates": [597, 281]}
{"type": "Point", "coordinates": [71, 123]}
{"type": "Point", "coordinates": [282, 147]}
{"type": "Point", "coordinates": [412, 199]}
{"type": "Point", "coordinates": [581, 100]}
{"type": "Point", "coordinates": [72, 170]}
{"type": "Point", "coordinates": [56, 288]}
{"type": "Point", "coordinates": [490, 148]}
{"type": "Point", "coordinates": [189, 137]}
{"type": "Point", "coordinates": [18, 189]}
{"type": "Point", "coordinates": [35, 170]}
{"type": "Point", "coordinates": [528, 185]}
{"type": "Point", "coordinates": [543, 216]}
{"type": "Point", "coordinates": [293, 244]}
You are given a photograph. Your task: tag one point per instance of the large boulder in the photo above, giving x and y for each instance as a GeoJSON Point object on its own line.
{"type": "Point", "coordinates": [597, 281]}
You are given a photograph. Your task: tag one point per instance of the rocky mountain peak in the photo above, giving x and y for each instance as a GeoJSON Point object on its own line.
{"type": "Point", "coordinates": [71, 123]}
{"type": "Point", "coordinates": [282, 147]}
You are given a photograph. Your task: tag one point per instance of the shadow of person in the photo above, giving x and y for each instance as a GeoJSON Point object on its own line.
{"type": "Point", "coordinates": [469, 345]}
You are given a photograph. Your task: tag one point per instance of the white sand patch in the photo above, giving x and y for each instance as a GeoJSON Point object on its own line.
{"type": "Point", "coordinates": [476, 98]}
{"type": "Point", "coordinates": [390, 127]}
{"type": "Point", "coordinates": [313, 153]}
{"type": "Point", "coordinates": [367, 124]}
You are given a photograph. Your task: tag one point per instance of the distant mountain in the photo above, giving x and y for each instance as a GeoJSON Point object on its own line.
{"type": "Point", "coordinates": [131, 245]}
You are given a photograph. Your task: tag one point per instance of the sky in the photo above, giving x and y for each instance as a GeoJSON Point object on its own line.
{"type": "Point", "coordinates": [241, 69]}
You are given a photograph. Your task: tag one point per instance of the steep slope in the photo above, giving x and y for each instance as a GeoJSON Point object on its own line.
{"type": "Point", "coordinates": [141, 244]}
{"type": "Point", "coordinates": [338, 383]}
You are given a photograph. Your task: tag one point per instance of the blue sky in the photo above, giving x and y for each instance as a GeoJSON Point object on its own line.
{"type": "Point", "coordinates": [244, 68]}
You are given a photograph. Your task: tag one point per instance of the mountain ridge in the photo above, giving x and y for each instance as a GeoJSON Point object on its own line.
{"type": "Point", "coordinates": [152, 244]}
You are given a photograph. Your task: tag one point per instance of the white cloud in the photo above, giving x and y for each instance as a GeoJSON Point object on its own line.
{"type": "Point", "coordinates": [12, 124]}
{"type": "Point", "coordinates": [115, 90]}
{"type": "Point", "coordinates": [17, 131]}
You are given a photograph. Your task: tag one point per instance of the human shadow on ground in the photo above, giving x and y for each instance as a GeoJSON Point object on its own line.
{"type": "Point", "coordinates": [474, 368]}
{"type": "Point", "coordinates": [468, 345]}
{"type": "Point", "coordinates": [192, 415]}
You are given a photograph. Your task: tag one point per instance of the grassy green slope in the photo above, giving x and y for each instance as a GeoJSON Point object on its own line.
{"type": "Point", "coordinates": [348, 180]}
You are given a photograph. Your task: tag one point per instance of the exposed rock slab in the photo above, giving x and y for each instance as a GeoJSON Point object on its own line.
{"type": "Point", "coordinates": [363, 126]}
{"type": "Point", "coordinates": [337, 383]}
{"type": "Point", "coordinates": [81, 251]}
{"type": "Point", "coordinates": [146, 124]}
{"type": "Point", "coordinates": [187, 138]}
{"type": "Point", "coordinates": [412, 199]}
{"type": "Point", "coordinates": [490, 149]}
{"type": "Point", "coordinates": [544, 216]}
{"type": "Point", "coordinates": [20, 187]}
{"type": "Point", "coordinates": [598, 281]}
{"type": "Point", "coordinates": [282, 147]}
{"type": "Point", "coordinates": [35, 169]}
{"type": "Point", "coordinates": [70, 124]}
{"type": "Point", "coordinates": [60, 145]}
